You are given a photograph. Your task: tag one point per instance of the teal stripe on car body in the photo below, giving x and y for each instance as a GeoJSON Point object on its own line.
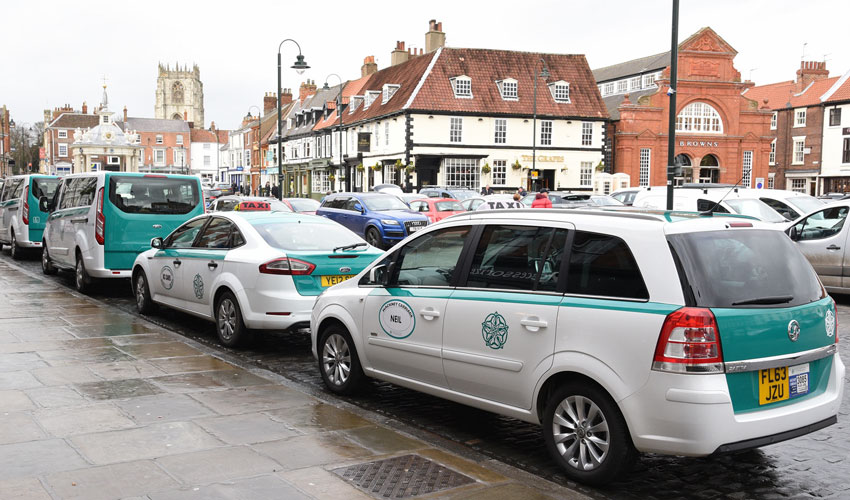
{"type": "Point", "coordinates": [193, 253]}
{"type": "Point", "coordinates": [744, 387]}
{"type": "Point", "coordinates": [328, 264]}
{"type": "Point", "coordinates": [620, 305]}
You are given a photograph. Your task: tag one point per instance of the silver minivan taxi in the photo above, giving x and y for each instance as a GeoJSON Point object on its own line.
{"type": "Point", "coordinates": [21, 219]}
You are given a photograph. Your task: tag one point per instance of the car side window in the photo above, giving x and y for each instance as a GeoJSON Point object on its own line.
{"type": "Point", "coordinates": [416, 206]}
{"type": "Point", "coordinates": [602, 265]}
{"type": "Point", "coordinates": [236, 238]}
{"type": "Point", "coordinates": [69, 194]}
{"type": "Point", "coordinates": [216, 234]}
{"type": "Point", "coordinates": [431, 259]}
{"type": "Point", "coordinates": [349, 205]}
{"type": "Point", "coordinates": [518, 258]}
{"type": "Point", "coordinates": [227, 205]}
{"type": "Point", "coordinates": [823, 224]}
{"type": "Point", "coordinates": [19, 189]}
{"type": "Point", "coordinates": [87, 186]}
{"type": "Point", "coordinates": [782, 208]}
{"type": "Point", "coordinates": [706, 205]}
{"type": "Point", "coordinates": [183, 236]}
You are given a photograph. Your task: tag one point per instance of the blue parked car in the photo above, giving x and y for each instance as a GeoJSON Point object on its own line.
{"type": "Point", "coordinates": [381, 219]}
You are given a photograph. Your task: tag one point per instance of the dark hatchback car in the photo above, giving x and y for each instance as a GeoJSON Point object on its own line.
{"type": "Point", "coordinates": [381, 219]}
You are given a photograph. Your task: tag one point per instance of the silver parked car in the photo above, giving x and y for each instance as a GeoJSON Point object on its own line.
{"type": "Point", "coordinates": [822, 236]}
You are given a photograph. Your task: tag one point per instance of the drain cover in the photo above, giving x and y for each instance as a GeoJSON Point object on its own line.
{"type": "Point", "coordinates": [402, 477]}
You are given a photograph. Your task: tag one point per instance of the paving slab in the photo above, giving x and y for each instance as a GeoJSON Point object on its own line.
{"type": "Point", "coordinates": [191, 364]}
{"type": "Point", "coordinates": [18, 361]}
{"type": "Point", "coordinates": [55, 397]}
{"type": "Point", "coordinates": [160, 350]}
{"type": "Point", "coordinates": [318, 417]}
{"type": "Point", "coordinates": [62, 375]}
{"type": "Point", "coordinates": [149, 338]}
{"type": "Point", "coordinates": [118, 370]}
{"type": "Point", "coordinates": [319, 483]}
{"type": "Point", "coordinates": [85, 355]}
{"type": "Point", "coordinates": [110, 481]}
{"type": "Point", "coordinates": [217, 465]}
{"type": "Point", "coordinates": [259, 488]}
{"type": "Point", "coordinates": [163, 408]}
{"type": "Point", "coordinates": [247, 429]}
{"type": "Point", "coordinates": [156, 440]}
{"type": "Point", "coordinates": [202, 381]}
{"type": "Point", "coordinates": [251, 399]}
{"type": "Point", "coordinates": [18, 380]}
{"type": "Point", "coordinates": [510, 491]}
{"type": "Point", "coordinates": [18, 427]}
{"type": "Point", "coordinates": [311, 450]}
{"type": "Point", "coordinates": [35, 458]}
{"type": "Point", "coordinates": [64, 422]}
{"type": "Point", "coordinates": [15, 401]}
{"type": "Point", "coordinates": [382, 440]}
{"type": "Point", "coordinates": [110, 330]}
{"type": "Point", "coordinates": [117, 389]}
{"type": "Point", "coordinates": [23, 488]}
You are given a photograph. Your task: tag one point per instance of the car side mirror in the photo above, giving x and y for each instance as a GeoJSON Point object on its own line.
{"type": "Point", "coordinates": [793, 233]}
{"type": "Point", "coordinates": [45, 205]}
{"type": "Point", "coordinates": [358, 207]}
{"type": "Point", "coordinates": [156, 243]}
{"type": "Point", "coordinates": [380, 274]}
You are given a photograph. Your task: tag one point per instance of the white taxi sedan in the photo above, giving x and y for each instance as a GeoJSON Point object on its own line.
{"type": "Point", "coordinates": [248, 269]}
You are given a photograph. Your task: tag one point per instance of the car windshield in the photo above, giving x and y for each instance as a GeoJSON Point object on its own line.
{"type": "Point", "coordinates": [755, 208]}
{"type": "Point", "coordinates": [605, 201]}
{"type": "Point", "coordinates": [308, 236]}
{"type": "Point", "coordinates": [723, 268]}
{"type": "Point", "coordinates": [154, 195]}
{"type": "Point", "coordinates": [304, 204]}
{"type": "Point", "coordinates": [462, 194]}
{"type": "Point", "coordinates": [448, 206]}
{"type": "Point", "coordinates": [805, 204]}
{"type": "Point", "coordinates": [384, 203]}
{"type": "Point", "coordinates": [43, 187]}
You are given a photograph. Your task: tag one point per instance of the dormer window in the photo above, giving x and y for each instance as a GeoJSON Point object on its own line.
{"type": "Point", "coordinates": [371, 95]}
{"type": "Point", "coordinates": [462, 86]}
{"type": "Point", "coordinates": [388, 92]}
{"type": "Point", "coordinates": [560, 91]}
{"type": "Point", "coordinates": [508, 89]}
{"type": "Point", "coordinates": [355, 102]}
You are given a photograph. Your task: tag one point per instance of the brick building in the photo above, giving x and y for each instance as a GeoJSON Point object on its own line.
{"type": "Point", "coordinates": [721, 136]}
{"type": "Point", "coordinates": [796, 126]}
{"type": "Point", "coordinates": [60, 124]}
{"type": "Point", "coordinates": [835, 154]}
{"type": "Point", "coordinates": [5, 142]}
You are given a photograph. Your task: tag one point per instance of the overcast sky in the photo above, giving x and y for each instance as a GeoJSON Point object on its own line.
{"type": "Point", "coordinates": [58, 52]}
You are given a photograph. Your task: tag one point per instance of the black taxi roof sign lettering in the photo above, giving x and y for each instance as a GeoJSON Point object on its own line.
{"type": "Point", "coordinates": [253, 206]}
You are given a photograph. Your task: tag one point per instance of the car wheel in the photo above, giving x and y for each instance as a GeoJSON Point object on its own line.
{"type": "Point", "coordinates": [47, 267]}
{"type": "Point", "coordinates": [587, 435]}
{"type": "Point", "coordinates": [15, 251]}
{"type": "Point", "coordinates": [82, 280]}
{"type": "Point", "coordinates": [338, 361]}
{"type": "Point", "coordinates": [144, 304]}
{"type": "Point", "coordinates": [373, 237]}
{"type": "Point", "coordinates": [228, 321]}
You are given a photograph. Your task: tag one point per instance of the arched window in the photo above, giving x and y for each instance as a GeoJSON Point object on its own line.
{"type": "Point", "coordinates": [177, 93]}
{"type": "Point", "coordinates": [699, 117]}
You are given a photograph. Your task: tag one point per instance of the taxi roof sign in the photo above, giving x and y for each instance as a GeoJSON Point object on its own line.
{"type": "Point", "coordinates": [253, 206]}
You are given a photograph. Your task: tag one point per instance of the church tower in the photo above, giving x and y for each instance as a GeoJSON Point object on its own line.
{"type": "Point", "coordinates": [180, 94]}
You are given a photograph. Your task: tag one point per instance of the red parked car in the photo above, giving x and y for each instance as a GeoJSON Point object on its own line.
{"type": "Point", "coordinates": [302, 205]}
{"type": "Point", "coordinates": [437, 209]}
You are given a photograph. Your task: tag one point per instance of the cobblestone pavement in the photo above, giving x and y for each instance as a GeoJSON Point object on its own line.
{"type": "Point", "coordinates": [813, 466]}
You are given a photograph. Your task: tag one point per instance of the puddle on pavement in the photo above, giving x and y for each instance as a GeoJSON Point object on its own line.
{"type": "Point", "coordinates": [117, 389]}
{"type": "Point", "coordinates": [109, 330]}
{"type": "Point", "coordinates": [161, 350]}
{"type": "Point", "coordinates": [319, 417]}
{"type": "Point", "coordinates": [191, 364]}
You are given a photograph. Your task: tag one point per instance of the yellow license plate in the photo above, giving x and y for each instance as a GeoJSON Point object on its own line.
{"type": "Point", "coordinates": [773, 385]}
{"type": "Point", "coordinates": [333, 280]}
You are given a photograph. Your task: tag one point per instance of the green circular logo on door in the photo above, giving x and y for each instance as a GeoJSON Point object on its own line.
{"type": "Point", "coordinates": [494, 329]}
{"type": "Point", "coordinates": [198, 283]}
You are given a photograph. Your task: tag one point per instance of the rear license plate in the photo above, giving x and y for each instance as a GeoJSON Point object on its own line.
{"type": "Point", "coordinates": [333, 280]}
{"type": "Point", "coordinates": [780, 384]}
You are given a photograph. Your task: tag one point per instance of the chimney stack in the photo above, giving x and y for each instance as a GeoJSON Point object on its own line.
{"type": "Point", "coordinates": [435, 38]}
{"type": "Point", "coordinates": [212, 129]}
{"type": "Point", "coordinates": [399, 55]}
{"type": "Point", "coordinates": [269, 102]}
{"type": "Point", "coordinates": [369, 66]}
{"type": "Point", "coordinates": [185, 116]}
{"type": "Point", "coordinates": [125, 114]}
{"type": "Point", "coordinates": [285, 97]}
{"type": "Point", "coordinates": [307, 89]}
{"type": "Point", "coordinates": [85, 108]}
{"type": "Point", "coordinates": [809, 72]}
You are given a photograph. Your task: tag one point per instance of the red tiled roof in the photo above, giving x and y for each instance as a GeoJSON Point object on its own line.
{"type": "Point", "coordinates": [202, 135]}
{"type": "Point", "coordinates": [778, 95]}
{"type": "Point", "coordinates": [486, 66]}
{"type": "Point", "coordinates": [842, 93]}
{"type": "Point", "coordinates": [75, 120]}
{"type": "Point", "coordinates": [352, 87]}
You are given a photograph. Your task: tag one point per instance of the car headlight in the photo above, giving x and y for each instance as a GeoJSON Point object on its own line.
{"type": "Point", "coordinates": [389, 222]}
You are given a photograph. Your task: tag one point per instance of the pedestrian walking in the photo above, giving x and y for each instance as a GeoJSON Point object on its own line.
{"type": "Point", "coordinates": [542, 200]}
{"type": "Point", "coordinates": [274, 191]}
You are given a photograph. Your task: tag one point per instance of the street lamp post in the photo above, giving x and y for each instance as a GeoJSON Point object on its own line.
{"type": "Point", "coordinates": [299, 67]}
{"type": "Point", "coordinates": [544, 74]}
{"type": "Point", "coordinates": [339, 113]}
{"type": "Point", "coordinates": [259, 161]}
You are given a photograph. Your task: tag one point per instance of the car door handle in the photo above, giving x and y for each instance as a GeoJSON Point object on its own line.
{"type": "Point", "coordinates": [212, 265]}
{"type": "Point", "coordinates": [533, 323]}
{"type": "Point", "coordinates": [176, 262]}
{"type": "Point", "coordinates": [833, 247]}
{"type": "Point", "coordinates": [429, 313]}
{"type": "Point", "coordinates": [79, 220]}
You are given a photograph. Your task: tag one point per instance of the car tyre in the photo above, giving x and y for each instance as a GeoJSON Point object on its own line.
{"type": "Point", "coordinates": [373, 237]}
{"type": "Point", "coordinates": [229, 325]}
{"type": "Point", "coordinates": [586, 434]}
{"type": "Point", "coordinates": [338, 361]}
{"type": "Point", "coordinates": [142, 292]}
{"type": "Point", "coordinates": [47, 266]}
{"type": "Point", "coordinates": [14, 250]}
{"type": "Point", "coordinates": [82, 280]}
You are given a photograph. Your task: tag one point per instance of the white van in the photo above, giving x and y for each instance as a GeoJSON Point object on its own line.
{"type": "Point", "coordinates": [21, 220]}
{"type": "Point", "coordinates": [722, 200]}
{"type": "Point", "coordinates": [100, 221]}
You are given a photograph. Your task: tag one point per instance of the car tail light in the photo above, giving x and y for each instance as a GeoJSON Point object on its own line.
{"type": "Point", "coordinates": [26, 214]}
{"type": "Point", "coordinates": [100, 221]}
{"type": "Point", "coordinates": [689, 343]}
{"type": "Point", "coordinates": [287, 266]}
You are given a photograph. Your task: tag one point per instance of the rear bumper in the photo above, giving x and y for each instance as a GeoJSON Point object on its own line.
{"type": "Point", "coordinates": [264, 309]}
{"type": "Point", "coordinates": [109, 273]}
{"type": "Point", "coordinates": [692, 415]}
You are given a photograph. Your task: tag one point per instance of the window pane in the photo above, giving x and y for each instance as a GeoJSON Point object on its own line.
{"type": "Point", "coordinates": [216, 235]}
{"type": "Point", "coordinates": [603, 265]}
{"type": "Point", "coordinates": [430, 260]}
{"type": "Point", "coordinates": [518, 258]}
{"type": "Point", "coordinates": [183, 236]}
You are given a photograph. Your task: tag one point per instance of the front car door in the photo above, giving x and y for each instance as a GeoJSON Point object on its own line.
{"type": "Point", "coordinates": [822, 237]}
{"type": "Point", "coordinates": [403, 321]}
{"type": "Point", "coordinates": [501, 320]}
{"type": "Point", "coordinates": [167, 279]}
{"type": "Point", "coordinates": [204, 263]}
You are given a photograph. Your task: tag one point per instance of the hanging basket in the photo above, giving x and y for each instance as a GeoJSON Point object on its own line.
{"type": "Point", "coordinates": [360, 168]}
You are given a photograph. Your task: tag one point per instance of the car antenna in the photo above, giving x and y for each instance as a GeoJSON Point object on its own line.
{"type": "Point", "coordinates": [711, 210]}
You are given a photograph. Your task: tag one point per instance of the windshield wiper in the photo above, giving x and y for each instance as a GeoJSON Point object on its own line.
{"type": "Point", "coordinates": [350, 247]}
{"type": "Point", "coordinates": [778, 299]}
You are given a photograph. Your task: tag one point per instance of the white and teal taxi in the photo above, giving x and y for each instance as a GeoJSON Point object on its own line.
{"type": "Point", "coordinates": [618, 332]}
{"type": "Point", "coordinates": [248, 269]}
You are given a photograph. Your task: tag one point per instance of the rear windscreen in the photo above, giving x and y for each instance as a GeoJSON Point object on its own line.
{"type": "Point", "coordinates": [154, 195]}
{"type": "Point", "coordinates": [744, 268]}
{"type": "Point", "coordinates": [44, 187]}
{"type": "Point", "coordinates": [305, 236]}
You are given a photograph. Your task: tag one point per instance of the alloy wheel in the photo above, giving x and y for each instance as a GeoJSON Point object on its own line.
{"type": "Point", "coordinates": [226, 319]}
{"type": "Point", "coordinates": [140, 291]}
{"type": "Point", "coordinates": [581, 433]}
{"type": "Point", "coordinates": [336, 359]}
